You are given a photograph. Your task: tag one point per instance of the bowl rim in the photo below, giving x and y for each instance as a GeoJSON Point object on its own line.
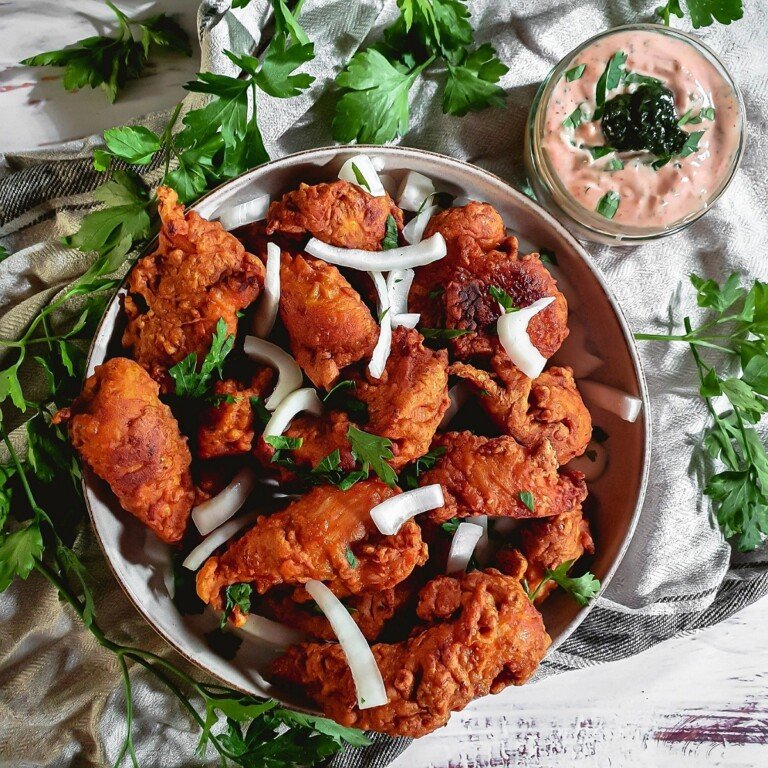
{"type": "Point", "coordinates": [332, 151]}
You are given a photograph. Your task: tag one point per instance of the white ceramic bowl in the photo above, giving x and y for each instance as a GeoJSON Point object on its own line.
{"type": "Point", "coordinates": [142, 564]}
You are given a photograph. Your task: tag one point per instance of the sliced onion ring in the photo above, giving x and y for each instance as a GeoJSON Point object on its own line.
{"type": "Point", "coordinates": [214, 540]}
{"type": "Point", "coordinates": [610, 399]}
{"type": "Point", "coordinates": [463, 546]}
{"type": "Point", "coordinates": [414, 189]}
{"type": "Point", "coordinates": [383, 346]}
{"type": "Point", "coordinates": [270, 631]}
{"type": "Point", "coordinates": [592, 463]}
{"type": "Point", "coordinates": [266, 312]}
{"type": "Point", "coordinates": [289, 375]}
{"type": "Point", "coordinates": [483, 544]}
{"type": "Point", "coordinates": [245, 213]}
{"type": "Point", "coordinates": [217, 510]}
{"type": "Point", "coordinates": [301, 400]}
{"type": "Point", "coordinates": [425, 252]}
{"type": "Point", "coordinates": [413, 231]}
{"type": "Point", "coordinates": [407, 320]}
{"type": "Point", "coordinates": [369, 685]}
{"type": "Point", "coordinates": [367, 170]}
{"type": "Point", "coordinates": [458, 394]}
{"type": "Point", "coordinates": [399, 282]}
{"type": "Point", "coordinates": [513, 335]}
{"type": "Point", "coordinates": [393, 512]}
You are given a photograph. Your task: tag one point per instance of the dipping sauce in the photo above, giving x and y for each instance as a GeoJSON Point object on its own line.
{"type": "Point", "coordinates": [635, 188]}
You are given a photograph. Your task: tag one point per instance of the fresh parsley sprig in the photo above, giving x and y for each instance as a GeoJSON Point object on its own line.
{"type": "Point", "coordinates": [109, 62]}
{"type": "Point", "coordinates": [738, 328]}
{"type": "Point", "coordinates": [194, 381]}
{"type": "Point", "coordinates": [702, 12]}
{"type": "Point", "coordinates": [582, 589]}
{"type": "Point", "coordinates": [373, 104]}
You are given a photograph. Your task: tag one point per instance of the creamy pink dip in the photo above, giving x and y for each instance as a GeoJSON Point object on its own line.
{"type": "Point", "coordinates": [648, 198]}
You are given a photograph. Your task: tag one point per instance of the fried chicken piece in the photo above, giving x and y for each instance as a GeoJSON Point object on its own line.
{"type": "Point", "coordinates": [407, 403]}
{"type": "Point", "coordinates": [469, 305]}
{"type": "Point", "coordinates": [488, 635]}
{"type": "Point", "coordinates": [469, 232]}
{"type": "Point", "coordinates": [199, 274]}
{"type": "Point", "coordinates": [547, 544]}
{"type": "Point", "coordinates": [319, 435]}
{"type": "Point", "coordinates": [312, 539]}
{"type": "Point", "coordinates": [485, 476]}
{"type": "Point", "coordinates": [228, 428]}
{"type": "Point", "coordinates": [329, 326]}
{"type": "Point", "coordinates": [130, 439]}
{"type": "Point", "coordinates": [532, 410]}
{"type": "Point", "coordinates": [339, 213]}
{"type": "Point", "coordinates": [371, 611]}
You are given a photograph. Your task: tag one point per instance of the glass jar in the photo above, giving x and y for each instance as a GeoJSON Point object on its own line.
{"type": "Point", "coordinates": [562, 137]}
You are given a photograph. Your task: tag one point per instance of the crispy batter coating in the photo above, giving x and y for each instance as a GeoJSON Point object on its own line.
{"type": "Point", "coordinates": [469, 232]}
{"type": "Point", "coordinates": [551, 542]}
{"type": "Point", "coordinates": [371, 611]}
{"type": "Point", "coordinates": [470, 306]}
{"type": "Point", "coordinates": [338, 213]}
{"type": "Point", "coordinates": [489, 636]}
{"type": "Point", "coordinates": [408, 401]}
{"type": "Point", "coordinates": [228, 428]}
{"type": "Point", "coordinates": [485, 476]}
{"type": "Point", "coordinates": [130, 439]}
{"type": "Point", "coordinates": [176, 295]}
{"type": "Point", "coordinates": [320, 436]}
{"type": "Point", "coordinates": [531, 410]}
{"type": "Point", "coordinates": [329, 326]}
{"type": "Point", "coordinates": [312, 539]}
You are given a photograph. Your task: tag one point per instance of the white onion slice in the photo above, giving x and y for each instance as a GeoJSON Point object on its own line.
{"type": "Point", "coordinates": [407, 320]}
{"type": "Point", "coordinates": [388, 182]}
{"type": "Point", "coordinates": [414, 189]}
{"type": "Point", "coordinates": [270, 631]}
{"type": "Point", "coordinates": [289, 375]}
{"type": "Point", "coordinates": [366, 675]}
{"type": "Point", "coordinates": [301, 400]}
{"type": "Point", "coordinates": [462, 547]}
{"type": "Point", "coordinates": [214, 540]}
{"type": "Point", "coordinates": [245, 213]}
{"type": "Point", "coordinates": [365, 166]}
{"type": "Point", "coordinates": [390, 515]}
{"type": "Point", "coordinates": [384, 343]}
{"type": "Point", "coordinates": [378, 163]}
{"type": "Point", "coordinates": [399, 282]}
{"type": "Point", "coordinates": [458, 394]}
{"type": "Point", "coordinates": [266, 312]}
{"type": "Point", "coordinates": [425, 252]}
{"type": "Point", "coordinates": [483, 543]}
{"type": "Point", "coordinates": [217, 510]}
{"type": "Point", "coordinates": [593, 468]}
{"type": "Point", "coordinates": [610, 399]}
{"type": "Point", "coordinates": [513, 335]}
{"type": "Point", "coordinates": [575, 353]}
{"type": "Point", "coordinates": [413, 231]}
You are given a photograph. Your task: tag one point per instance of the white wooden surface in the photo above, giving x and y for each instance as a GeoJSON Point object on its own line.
{"type": "Point", "coordinates": [699, 700]}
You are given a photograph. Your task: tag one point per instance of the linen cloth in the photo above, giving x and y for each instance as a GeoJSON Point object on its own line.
{"type": "Point", "coordinates": [60, 699]}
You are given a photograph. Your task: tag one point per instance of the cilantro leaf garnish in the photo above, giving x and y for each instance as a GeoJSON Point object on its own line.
{"type": "Point", "coordinates": [236, 596]}
{"type": "Point", "coordinates": [575, 73]}
{"type": "Point", "coordinates": [284, 442]}
{"type": "Point", "coordinates": [609, 80]}
{"type": "Point", "coordinates": [548, 256]}
{"type": "Point", "coordinates": [608, 204]}
{"type": "Point", "coordinates": [691, 143]}
{"type": "Point", "coordinates": [361, 179]}
{"type": "Point", "coordinates": [576, 118]}
{"type": "Point", "coordinates": [598, 152]}
{"type": "Point", "coordinates": [191, 382]}
{"type": "Point", "coordinates": [409, 477]}
{"type": "Point", "coordinates": [582, 589]}
{"type": "Point", "coordinates": [390, 237]}
{"type": "Point", "coordinates": [451, 526]}
{"type": "Point", "coordinates": [351, 559]}
{"type": "Point", "coordinates": [109, 62]}
{"type": "Point", "coordinates": [506, 301]}
{"type": "Point", "coordinates": [443, 333]}
{"type": "Point", "coordinates": [374, 452]}
{"type": "Point", "coordinates": [526, 497]}
{"type": "Point", "coordinates": [262, 414]}
{"type": "Point", "coordinates": [473, 84]}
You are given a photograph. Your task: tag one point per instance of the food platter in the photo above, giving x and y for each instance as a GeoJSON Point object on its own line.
{"type": "Point", "coordinates": [143, 566]}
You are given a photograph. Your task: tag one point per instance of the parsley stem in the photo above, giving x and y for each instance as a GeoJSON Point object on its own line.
{"type": "Point", "coordinates": [687, 338]}
{"type": "Point", "coordinates": [128, 741]}
{"type": "Point", "coordinates": [168, 138]}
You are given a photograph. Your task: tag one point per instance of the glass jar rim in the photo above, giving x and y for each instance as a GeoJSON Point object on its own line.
{"type": "Point", "coordinates": [581, 216]}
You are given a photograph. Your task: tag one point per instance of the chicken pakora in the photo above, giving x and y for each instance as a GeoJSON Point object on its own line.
{"type": "Point", "coordinates": [481, 634]}
{"type": "Point", "coordinates": [328, 534]}
{"type": "Point", "coordinates": [199, 274]}
{"type": "Point", "coordinates": [500, 478]}
{"type": "Point", "coordinates": [130, 439]}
